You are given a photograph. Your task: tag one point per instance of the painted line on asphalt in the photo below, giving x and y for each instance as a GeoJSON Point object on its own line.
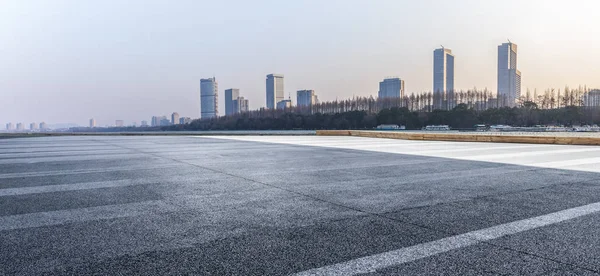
{"type": "Point", "coordinates": [60, 217]}
{"type": "Point", "coordinates": [82, 171]}
{"type": "Point", "coordinates": [74, 187]}
{"type": "Point", "coordinates": [380, 261]}
{"type": "Point", "coordinates": [33, 160]}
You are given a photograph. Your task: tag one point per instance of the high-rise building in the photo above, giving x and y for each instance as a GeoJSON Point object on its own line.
{"type": "Point", "coordinates": [240, 105]}
{"type": "Point", "coordinates": [92, 122]}
{"type": "Point", "coordinates": [43, 126]}
{"type": "Point", "coordinates": [33, 126]}
{"type": "Point", "coordinates": [20, 126]}
{"type": "Point", "coordinates": [209, 93]}
{"type": "Point", "coordinates": [119, 123]}
{"type": "Point", "coordinates": [10, 126]}
{"type": "Point", "coordinates": [306, 98]}
{"type": "Point", "coordinates": [284, 104]}
{"type": "Point", "coordinates": [509, 78]}
{"type": "Point", "coordinates": [175, 118]}
{"type": "Point", "coordinates": [443, 78]}
{"type": "Point", "coordinates": [185, 120]}
{"type": "Point", "coordinates": [144, 123]}
{"type": "Point", "coordinates": [391, 88]}
{"type": "Point", "coordinates": [274, 90]}
{"type": "Point", "coordinates": [230, 95]}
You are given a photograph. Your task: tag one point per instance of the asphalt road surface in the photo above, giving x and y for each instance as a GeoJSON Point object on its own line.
{"type": "Point", "coordinates": [258, 205]}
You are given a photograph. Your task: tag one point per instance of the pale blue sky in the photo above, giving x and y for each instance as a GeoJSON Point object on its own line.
{"type": "Point", "coordinates": [68, 61]}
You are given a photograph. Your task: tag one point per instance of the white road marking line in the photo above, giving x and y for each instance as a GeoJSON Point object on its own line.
{"type": "Point", "coordinates": [408, 254]}
{"type": "Point", "coordinates": [70, 172]}
{"type": "Point", "coordinates": [60, 217]}
{"type": "Point", "coordinates": [74, 187]}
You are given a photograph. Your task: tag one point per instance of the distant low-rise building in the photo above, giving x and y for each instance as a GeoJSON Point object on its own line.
{"type": "Point", "coordinates": [160, 121]}
{"type": "Point", "coordinates": [144, 124]}
{"type": "Point", "coordinates": [285, 104]}
{"type": "Point", "coordinates": [240, 105]}
{"type": "Point", "coordinates": [119, 123]}
{"type": "Point", "coordinates": [185, 120]}
{"type": "Point", "coordinates": [164, 121]}
{"type": "Point", "coordinates": [391, 127]}
{"type": "Point", "coordinates": [306, 98]}
{"type": "Point", "coordinates": [391, 88]}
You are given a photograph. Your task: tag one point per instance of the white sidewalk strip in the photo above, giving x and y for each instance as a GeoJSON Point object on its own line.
{"type": "Point", "coordinates": [408, 254]}
{"type": "Point", "coordinates": [504, 153]}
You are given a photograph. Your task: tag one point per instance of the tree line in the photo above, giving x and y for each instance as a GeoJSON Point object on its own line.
{"type": "Point", "coordinates": [460, 117]}
{"type": "Point", "coordinates": [459, 110]}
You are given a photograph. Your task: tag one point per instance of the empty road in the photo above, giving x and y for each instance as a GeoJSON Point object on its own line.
{"type": "Point", "coordinates": [296, 205]}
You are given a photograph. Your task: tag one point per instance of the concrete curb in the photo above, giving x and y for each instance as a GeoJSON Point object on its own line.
{"type": "Point", "coordinates": [465, 137]}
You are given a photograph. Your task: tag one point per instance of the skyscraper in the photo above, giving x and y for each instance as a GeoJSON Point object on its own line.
{"type": "Point", "coordinates": [306, 98]}
{"type": "Point", "coordinates": [209, 98]}
{"type": "Point", "coordinates": [43, 126]}
{"type": "Point", "coordinates": [274, 90]}
{"type": "Point", "coordinates": [92, 122]}
{"type": "Point", "coordinates": [230, 95]}
{"type": "Point", "coordinates": [175, 118]}
{"type": "Point", "coordinates": [20, 126]}
{"type": "Point", "coordinates": [391, 88]}
{"type": "Point", "coordinates": [443, 78]}
{"type": "Point", "coordinates": [9, 126]}
{"type": "Point", "coordinates": [509, 78]}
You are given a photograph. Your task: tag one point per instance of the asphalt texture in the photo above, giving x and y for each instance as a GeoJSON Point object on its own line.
{"type": "Point", "coordinates": [177, 205]}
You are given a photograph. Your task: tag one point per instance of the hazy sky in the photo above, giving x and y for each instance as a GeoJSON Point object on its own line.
{"type": "Point", "coordinates": [68, 61]}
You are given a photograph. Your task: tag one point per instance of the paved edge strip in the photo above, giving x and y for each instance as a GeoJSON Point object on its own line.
{"type": "Point", "coordinates": [465, 137]}
{"type": "Point", "coordinates": [373, 263]}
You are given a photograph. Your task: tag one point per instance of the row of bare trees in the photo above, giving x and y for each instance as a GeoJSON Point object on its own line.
{"type": "Point", "coordinates": [474, 99]}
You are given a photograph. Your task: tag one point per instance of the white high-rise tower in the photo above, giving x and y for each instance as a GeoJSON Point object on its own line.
{"type": "Point", "coordinates": [209, 98]}
{"type": "Point", "coordinates": [443, 78]}
{"type": "Point", "coordinates": [509, 78]}
{"type": "Point", "coordinates": [274, 90]}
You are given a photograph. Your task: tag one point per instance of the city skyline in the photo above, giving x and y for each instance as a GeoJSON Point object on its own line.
{"type": "Point", "coordinates": [156, 61]}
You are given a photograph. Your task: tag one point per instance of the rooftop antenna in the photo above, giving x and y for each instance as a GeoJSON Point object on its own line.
{"type": "Point", "coordinates": [442, 46]}
{"type": "Point", "coordinates": [509, 40]}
